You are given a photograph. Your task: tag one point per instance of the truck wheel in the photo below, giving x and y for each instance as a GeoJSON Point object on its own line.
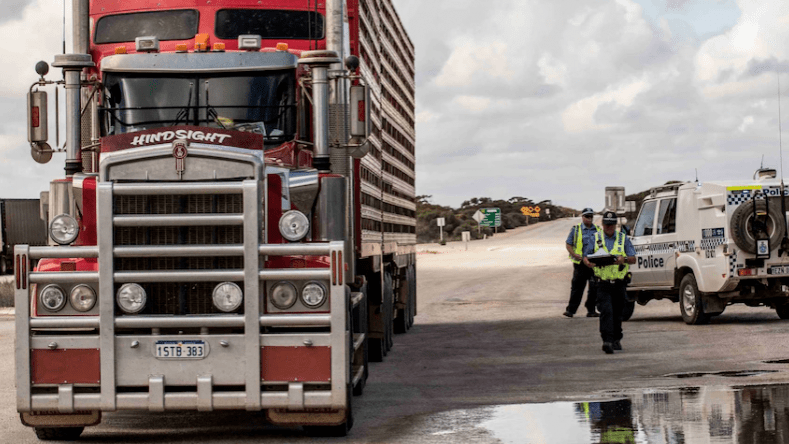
{"type": "Point", "coordinates": [58, 433]}
{"type": "Point", "coordinates": [690, 302]}
{"type": "Point", "coordinates": [782, 310]}
{"type": "Point", "coordinates": [336, 430]}
{"type": "Point", "coordinates": [741, 224]}
{"type": "Point", "coordinates": [389, 306]}
{"type": "Point", "coordinates": [401, 321]}
{"type": "Point", "coordinates": [627, 310]}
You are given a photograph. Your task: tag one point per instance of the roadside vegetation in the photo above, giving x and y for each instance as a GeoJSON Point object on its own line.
{"type": "Point", "coordinates": [461, 219]}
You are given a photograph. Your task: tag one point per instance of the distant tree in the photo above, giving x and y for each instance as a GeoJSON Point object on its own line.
{"type": "Point", "coordinates": [424, 199]}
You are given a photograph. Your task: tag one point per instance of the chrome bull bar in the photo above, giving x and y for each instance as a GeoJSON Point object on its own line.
{"type": "Point", "coordinates": [205, 398]}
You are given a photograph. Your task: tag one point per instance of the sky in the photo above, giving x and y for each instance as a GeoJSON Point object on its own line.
{"type": "Point", "coordinates": [541, 99]}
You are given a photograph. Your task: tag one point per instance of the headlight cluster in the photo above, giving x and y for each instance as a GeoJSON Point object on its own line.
{"type": "Point", "coordinates": [227, 297]}
{"type": "Point", "coordinates": [283, 295]}
{"type": "Point", "coordinates": [53, 298]}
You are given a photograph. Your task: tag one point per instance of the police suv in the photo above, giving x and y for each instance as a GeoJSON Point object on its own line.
{"type": "Point", "coordinates": [708, 245]}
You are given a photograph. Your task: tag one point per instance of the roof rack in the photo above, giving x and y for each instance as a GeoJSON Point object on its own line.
{"type": "Point", "coordinates": [668, 187]}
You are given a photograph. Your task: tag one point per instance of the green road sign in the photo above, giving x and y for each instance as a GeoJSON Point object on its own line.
{"type": "Point", "coordinates": [491, 217]}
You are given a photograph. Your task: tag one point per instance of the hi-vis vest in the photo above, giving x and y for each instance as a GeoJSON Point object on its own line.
{"type": "Point", "coordinates": [578, 245]}
{"type": "Point", "coordinates": [611, 272]}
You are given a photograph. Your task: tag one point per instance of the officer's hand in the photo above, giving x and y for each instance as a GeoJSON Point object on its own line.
{"type": "Point", "coordinates": [587, 263]}
{"type": "Point", "coordinates": [577, 257]}
{"type": "Point", "coordinates": [620, 260]}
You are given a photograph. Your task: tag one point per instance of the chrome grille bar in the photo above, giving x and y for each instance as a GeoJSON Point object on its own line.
{"type": "Point", "coordinates": [123, 277]}
{"type": "Point", "coordinates": [160, 189]}
{"type": "Point", "coordinates": [185, 220]}
{"type": "Point", "coordinates": [179, 251]}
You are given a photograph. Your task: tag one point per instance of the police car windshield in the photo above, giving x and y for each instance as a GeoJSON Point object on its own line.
{"type": "Point", "coordinates": [262, 103]}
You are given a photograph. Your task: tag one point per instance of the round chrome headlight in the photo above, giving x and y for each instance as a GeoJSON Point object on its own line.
{"type": "Point", "coordinates": [313, 295]}
{"type": "Point", "coordinates": [52, 297]}
{"type": "Point", "coordinates": [283, 295]}
{"type": "Point", "coordinates": [64, 229]}
{"type": "Point", "coordinates": [227, 297]}
{"type": "Point", "coordinates": [294, 225]}
{"type": "Point", "coordinates": [82, 297]}
{"type": "Point", "coordinates": [131, 298]}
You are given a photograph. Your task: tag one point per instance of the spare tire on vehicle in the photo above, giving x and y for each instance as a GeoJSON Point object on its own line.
{"type": "Point", "coordinates": [742, 228]}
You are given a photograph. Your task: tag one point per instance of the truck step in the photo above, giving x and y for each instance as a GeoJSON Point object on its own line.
{"type": "Point", "coordinates": [358, 340]}
{"type": "Point", "coordinates": [356, 297]}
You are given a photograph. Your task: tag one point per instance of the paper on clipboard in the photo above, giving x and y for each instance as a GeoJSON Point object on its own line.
{"type": "Point", "coordinates": [601, 257]}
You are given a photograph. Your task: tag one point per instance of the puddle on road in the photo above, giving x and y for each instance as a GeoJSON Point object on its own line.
{"type": "Point", "coordinates": [696, 415]}
{"type": "Point", "coordinates": [725, 374]}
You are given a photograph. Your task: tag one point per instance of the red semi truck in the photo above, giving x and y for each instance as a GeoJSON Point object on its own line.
{"type": "Point", "coordinates": [236, 225]}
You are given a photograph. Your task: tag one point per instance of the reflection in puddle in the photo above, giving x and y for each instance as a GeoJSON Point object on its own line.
{"type": "Point", "coordinates": [706, 415]}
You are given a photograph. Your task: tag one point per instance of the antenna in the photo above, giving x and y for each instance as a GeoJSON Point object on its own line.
{"type": "Point", "coordinates": [64, 27]}
{"type": "Point", "coordinates": [785, 241]}
{"type": "Point", "coordinates": [779, 136]}
{"type": "Point", "coordinates": [697, 174]}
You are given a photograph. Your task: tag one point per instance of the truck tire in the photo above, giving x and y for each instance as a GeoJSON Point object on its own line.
{"type": "Point", "coordinates": [782, 310]}
{"type": "Point", "coordinates": [741, 225]}
{"type": "Point", "coordinates": [627, 310]}
{"type": "Point", "coordinates": [389, 306]}
{"type": "Point", "coordinates": [58, 433]}
{"type": "Point", "coordinates": [690, 302]}
{"type": "Point", "coordinates": [339, 430]}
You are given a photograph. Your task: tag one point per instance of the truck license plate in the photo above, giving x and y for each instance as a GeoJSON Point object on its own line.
{"type": "Point", "coordinates": [779, 269]}
{"type": "Point", "coordinates": [180, 349]}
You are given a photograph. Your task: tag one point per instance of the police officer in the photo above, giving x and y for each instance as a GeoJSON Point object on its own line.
{"type": "Point", "coordinates": [579, 240]}
{"type": "Point", "coordinates": [610, 280]}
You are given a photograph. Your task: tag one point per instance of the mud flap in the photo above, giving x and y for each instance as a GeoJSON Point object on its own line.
{"type": "Point", "coordinates": [316, 417]}
{"type": "Point", "coordinates": [50, 419]}
{"type": "Point", "coordinates": [712, 304]}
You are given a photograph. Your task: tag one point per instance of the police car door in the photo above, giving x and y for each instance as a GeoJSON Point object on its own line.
{"type": "Point", "coordinates": [662, 251]}
{"type": "Point", "coordinates": [643, 232]}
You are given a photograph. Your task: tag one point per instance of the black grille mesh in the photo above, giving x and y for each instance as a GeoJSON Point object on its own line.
{"type": "Point", "coordinates": [173, 298]}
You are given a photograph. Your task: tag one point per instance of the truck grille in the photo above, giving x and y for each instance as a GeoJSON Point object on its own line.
{"type": "Point", "coordinates": [178, 298]}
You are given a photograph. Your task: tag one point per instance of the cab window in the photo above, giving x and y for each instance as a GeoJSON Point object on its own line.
{"type": "Point", "coordinates": [646, 220]}
{"type": "Point", "coordinates": [667, 216]}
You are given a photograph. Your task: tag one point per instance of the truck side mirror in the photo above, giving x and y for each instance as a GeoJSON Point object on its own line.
{"type": "Point", "coordinates": [360, 121]}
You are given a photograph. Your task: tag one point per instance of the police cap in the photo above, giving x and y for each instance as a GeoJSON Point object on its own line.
{"type": "Point", "coordinates": [609, 218]}
{"type": "Point", "coordinates": [587, 212]}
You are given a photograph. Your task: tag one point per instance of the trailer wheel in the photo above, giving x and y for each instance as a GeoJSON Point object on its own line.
{"type": "Point", "coordinates": [412, 295]}
{"type": "Point", "coordinates": [401, 321]}
{"type": "Point", "coordinates": [627, 310]}
{"type": "Point", "coordinates": [690, 302]}
{"type": "Point", "coordinates": [336, 430]}
{"type": "Point", "coordinates": [58, 433]}
{"type": "Point", "coordinates": [782, 310]}
{"type": "Point", "coordinates": [741, 225]}
{"type": "Point", "coordinates": [389, 307]}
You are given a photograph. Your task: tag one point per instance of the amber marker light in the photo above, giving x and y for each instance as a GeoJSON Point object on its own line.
{"type": "Point", "coordinates": [282, 46]}
{"type": "Point", "coordinates": [201, 42]}
{"type": "Point", "coordinates": [219, 47]}
{"type": "Point", "coordinates": [181, 47]}
{"type": "Point", "coordinates": [120, 50]}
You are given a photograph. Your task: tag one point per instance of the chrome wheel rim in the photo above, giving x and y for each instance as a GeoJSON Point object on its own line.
{"type": "Point", "coordinates": [689, 300]}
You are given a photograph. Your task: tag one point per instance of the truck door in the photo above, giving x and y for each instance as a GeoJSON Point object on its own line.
{"type": "Point", "coordinates": [662, 254]}
{"type": "Point", "coordinates": [641, 239]}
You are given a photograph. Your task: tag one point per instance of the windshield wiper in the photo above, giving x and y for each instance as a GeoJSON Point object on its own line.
{"type": "Point", "coordinates": [183, 113]}
{"type": "Point", "coordinates": [210, 112]}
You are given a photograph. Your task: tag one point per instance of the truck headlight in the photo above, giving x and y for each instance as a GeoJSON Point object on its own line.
{"type": "Point", "coordinates": [64, 229]}
{"type": "Point", "coordinates": [131, 298]}
{"type": "Point", "coordinates": [52, 297]}
{"type": "Point", "coordinates": [227, 297]}
{"type": "Point", "coordinates": [313, 295]}
{"type": "Point", "coordinates": [294, 225]}
{"type": "Point", "coordinates": [283, 295]}
{"type": "Point", "coordinates": [82, 297]}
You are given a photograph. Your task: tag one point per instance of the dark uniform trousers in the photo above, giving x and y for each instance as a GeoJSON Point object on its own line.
{"type": "Point", "coordinates": [581, 275]}
{"type": "Point", "coordinates": [610, 302]}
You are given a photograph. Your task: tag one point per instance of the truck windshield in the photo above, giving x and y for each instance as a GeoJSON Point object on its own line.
{"type": "Point", "coordinates": [262, 103]}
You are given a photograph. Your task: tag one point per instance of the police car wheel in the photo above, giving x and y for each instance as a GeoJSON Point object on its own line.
{"type": "Point", "coordinates": [741, 225]}
{"type": "Point", "coordinates": [690, 304]}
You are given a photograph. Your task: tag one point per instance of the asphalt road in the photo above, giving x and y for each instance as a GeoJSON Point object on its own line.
{"type": "Point", "coordinates": [489, 332]}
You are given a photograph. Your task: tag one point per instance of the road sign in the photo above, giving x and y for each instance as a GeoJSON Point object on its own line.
{"type": "Point", "coordinates": [531, 211]}
{"type": "Point", "coordinates": [491, 217]}
{"type": "Point", "coordinates": [478, 216]}
{"type": "Point", "coordinates": [441, 221]}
